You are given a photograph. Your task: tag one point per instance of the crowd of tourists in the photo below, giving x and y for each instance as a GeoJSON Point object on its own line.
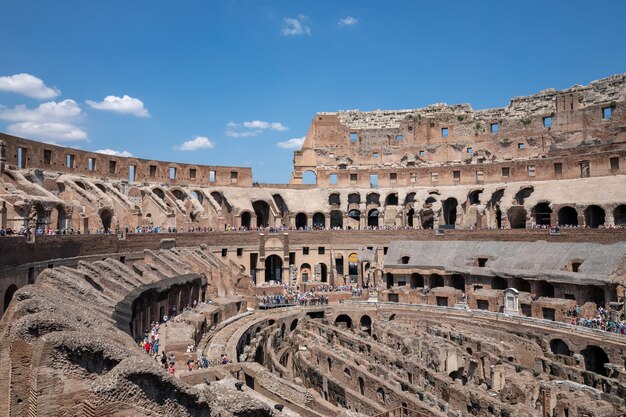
{"type": "Point", "coordinates": [601, 320]}
{"type": "Point", "coordinates": [293, 296]}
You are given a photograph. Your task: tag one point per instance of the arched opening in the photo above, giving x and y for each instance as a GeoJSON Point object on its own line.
{"type": "Point", "coordinates": [40, 216]}
{"type": "Point", "coordinates": [410, 198]}
{"type": "Point", "coordinates": [559, 347]}
{"type": "Point", "coordinates": [197, 195]}
{"type": "Point", "coordinates": [449, 211]}
{"type": "Point", "coordinates": [343, 320]}
{"type": "Point", "coordinates": [354, 198]}
{"type": "Point", "coordinates": [179, 194]}
{"type": "Point", "coordinates": [474, 197]}
{"type": "Point", "coordinates": [499, 283]}
{"type": "Point", "coordinates": [309, 177]}
{"type": "Point", "coordinates": [361, 386]}
{"type": "Point", "coordinates": [353, 265]}
{"type": "Point", "coordinates": [159, 193]}
{"type": "Point", "coordinates": [417, 280]}
{"type": "Point", "coordinates": [381, 395]}
{"type": "Point", "coordinates": [8, 295]}
{"type": "Point", "coordinates": [246, 217]}
{"type": "Point", "coordinates": [262, 211]}
{"type": "Point", "coordinates": [523, 194]}
{"type": "Point", "coordinates": [498, 215]}
{"type": "Point", "coordinates": [305, 272]}
{"type": "Point", "coordinates": [354, 217]}
{"type": "Point", "coordinates": [544, 289]}
{"type": "Point", "coordinates": [372, 198]}
{"type": "Point", "coordinates": [282, 206]}
{"type": "Point", "coordinates": [301, 220]}
{"type": "Point", "coordinates": [293, 325]}
{"type": "Point", "coordinates": [596, 295]}
{"type": "Point", "coordinates": [336, 219]}
{"type": "Point", "coordinates": [106, 216]}
{"type": "Point", "coordinates": [594, 216]}
{"type": "Point", "coordinates": [458, 282]}
{"type": "Point", "coordinates": [274, 269]}
{"type": "Point", "coordinates": [389, 278]}
{"type": "Point", "coordinates": [595, 358]}
{"type": "Point", "coordinates": [619, 215]}
{"type": "Point", "coordinates": [436, 280]}
{"type": "Point", "coordinates": [428, 219]}
{"type": "Point", "coordinates": [521, 285]}
{"type": "Point", "coordinates": [409, 217]}
{"type": "Point", "coordinates": [64, 222]}
{"type": "Point", "coordinates": [542, 212]}
{"type": "Point", "coordinates": [405, 260]}
{"type": "Point", "coordinates": [366, 324]}
{"type": "Point", "coordinates": [334, 199]}
{"type": "Point", "coordinates": [372, 218]}
{"type": "Point", "coordinates": [392, 199]}
{"type": "Point", "coordinates": [517, 217]}
{"type": "Point", "coordinates": [101, 188]}
{"type": "Point", "coordinates": [319, 220]}
{"type": "Point", "coordinates": [567, 216]}
{"type": "Point", "coordinates": [80, 184]}
{"type": "Point", "coordinates": [323, 272]}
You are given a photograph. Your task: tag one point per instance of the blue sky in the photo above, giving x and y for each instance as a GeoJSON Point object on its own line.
{"type": "Point", "coordinates": [224, 82]}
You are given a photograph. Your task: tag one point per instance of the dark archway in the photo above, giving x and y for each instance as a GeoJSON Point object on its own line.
{"type": "Point", "coordinates": [274, 269]}
{"type": "Point", "coordinates": [323, 272]}
{"type": "Point", "coordinates": [517, 217]}
{"type": "Point", "coordinates": [521, 285]}
{"type": "Point", "coordinates": [246, 218]}
{"type": "Point", "coordinates": [305, 272]}
{"type": "Point", "coordinates": [567, 216]}
{"type": "Point", "coordinates": [544, 289]}
{"type": "Point", "coordinates": [458, 282]}
{"type": "Point", "coordinates": [301, 220]}
{"type": "Point", "coordinates": [179, 194]}
{"type": "Point", "coordinates": [8, 295]}
{"type": "Point", "coordinates": [366, 324]}
{"type": "Point", "coordinates": [354, 198]}
{"type": "Point", "coordinates": [197, 195]}
{"type": "Point", "coordinates": [158, 192]}
{"type": "Point", "coordinates": [542, 212]}
{"type": "Point", "coordinates": [372, 198]}
{"type": "Point", "coordinates": [334, 199]}
{"type": "Point", "coordinates": [474, 197]}
{"type": "Point", "coordinates": [436, 280]}
{"type": "Point", "coordinates": [449, 211]}
{"type": "Point", "coordinates": [106, 216]}
{"type": "Point", "coordinates": [293, 325]}
{"type": "Point", "coordinates": [595, 294]}
{"type": "Point", "coordinates": [499, 283]}
{"type": "Point", "coordinates": [262, 211]}
{"type": "Point", "coordinates": [417, 280]}
{"type": "Point", "coordinates": [319, 220]}
{"type": "Point", "coordinates": [361, 386]}
{"type": "Point", "coordinates": [64, 222]}
{"type": "Point", "coordinates": [559, 347]}
{"type": "Point", "coordinates": [409, 217]}
{"type": "Point", "coordinates": [389, 280]}
{"type": "Point", "coordinates": [336, 219]}
{"type": "Point", "coordinates": [392, 199]}
{"type": "Point", "coordinates": [619, 215]}
{"type": "Point", "coordinates": [595, 358]}
{"type": "Point", "coordinates": [343, 320]}
{"type": "Point", "coordinates": [372, 218]}
{"type": "Point", "coordinates": [594, 216]}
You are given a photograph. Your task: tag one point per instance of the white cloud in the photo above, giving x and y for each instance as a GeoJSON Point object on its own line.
{"type": "Point", "coordinates": [199, 142]}
{"type": "Point", "coordinates": [46, 131]}
{"type": "Point", "coordinates": [28, 85]}
{"type": "Point", "coordinates": [295, 26]}
{"type": "Point", "coordinates": [348, 21]}
{"type": "Point", "coordinates": [45, 112]}
{"type": "Point", "coordinates": [114, 152]}
{"type": "Point", "coordinates": [125, 104]}
{"type": "Point", "coordinates": [293, 143]}
{"type": "Point", "coordinates": [256, 126]}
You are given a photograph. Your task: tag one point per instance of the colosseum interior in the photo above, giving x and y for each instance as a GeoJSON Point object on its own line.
{"type": "Point", "coordinates": [447, 262]}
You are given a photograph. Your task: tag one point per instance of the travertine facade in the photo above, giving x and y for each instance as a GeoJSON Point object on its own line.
{"type": "Point", "coordinates": [470, 293]}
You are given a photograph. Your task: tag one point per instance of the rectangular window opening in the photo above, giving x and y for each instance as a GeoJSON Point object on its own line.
{"type": "Point", "coordinates": [353, 178]}
{"type": "Point", "coordinates": [305, 250]}
{"type": "Point", "coordinates": [224, 252]}
{"type": "Point", "coordinates": [393, 177]}
{"type": "Point", "coordinates": [353, 137]}
{"type": "Point", "coordinates": [153, 171]}
{"type": "Point", "coordinates": [69, 160]}
{"type": "Point", "coordinates": [456, 175]}
{"type": "Point", "coordinates": [112, 167]}
{"type": "Point", "coordinates": [211, 176]}
{"type": "Point", "coordinates": [422, 153]}
{"type": "Point", "coordinates": [172, 173]}
{"type": "Point", "coordinates": [547, 121]}
{"type": "Point", "coordinates": [47, 156]}
{"type": "Point", "coordinates": [91, 164]}
{"type": "Point", "coordinates": [531, 170]}
{"type": "Point", "coordinates": [495, 128]}
{"type": "Point", "coordinates": [521, 145]}
{"type": "Point", "coordinates": [470, 151]}
{"type": "Point", "coordinates": [607, 113]}
{"type": "Point", "coordinates": [399, 137]}
{"type": "Point", "coordinates": [239, 251]}
{"type": "Point", "coordinates": [192, 173]}
{"type": "Point", "coordinates": [333, 179]}
{"type": "Point", "coordinates": [444, 132]}
{"type": "Point", "coordinates": [413, 177]}
{"type": "Point", "coordinates": [131, 173]}
{"type": "Point", "coordinates": [375, 154]}
{"type": "Point", "coordinates": [21, 157]}
{"type": "Point", "coordinates": [374, 181]}
{"type": "Point", "coordinates": [558, 168]}
{"type": "Point", "coordinates": [234, 177]}
{"type": "Point", "coordinates": [585, 172]}
{"type": "Point", "coordinates": [321, 250]}
{"type": "Point", "coordinates": [506, 171]}
{"type": "Point", "coordinates": [614, 162]}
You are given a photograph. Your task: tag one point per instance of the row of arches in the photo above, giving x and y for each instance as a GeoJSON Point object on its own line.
{"type": "Point", "coordinates": [594, 216]}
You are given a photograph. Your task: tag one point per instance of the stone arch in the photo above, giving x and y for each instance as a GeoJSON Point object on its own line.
{"type": "Point", "coordinates": [246, 218]}
{"type": "Point", "coordinates": [159, 193]}
{"type": "Point", "coordinates": [344, 319]}
{"type": "Point", "coordinates": [273, 269]}
{"type": "Point", "coordinates": [474, 197]}
{"type": "Point", "coordinates": [559, 347]}
{"type": "Point", "coordinates": [64, 221]}
{"type": "Point", "coordinates": [366, 324]}
{"type": "Point", "coordinates": [380, 392]}
{"type": "Point", "coordinates": [595, 358]}
{"type": "Point", "coordinates": [567, 216]}
{"type": "Point", "coordinates": [8, 295]}
{"type": "Point", "coordinates": [323, 272]}
{"type": "Point", "coordinates": [449, 211]}
{"type": "Point", "coordinates": [458, 281]}
{"type": "Point", "coordinates": [372, 218]}
{"type": "Point", "coordinates": [499, 283]}
{"type": "Point", "coordinates": [179, 194]}
{"type": "Point", "coordinates": [309, 177]}
{"type": "Point", "coordinates": [428, 219]}
{"type": "Point", "coordinates": [336, 219]}
{"type": "Point", "coordinates": [523, 194]}
{"type": "Point", "coordinates": [372, 198]}
{"type": "Point", "coordinates": [392, 199]}
{"type": "Point", "coordinates": [101, 187]}
{"type": "Point", "coordinates": [293, 325]}
{"type": "Point", "coordinates": [197, 195]}
{"type": "Point", "coordinates": [544, 289]}
{"type": "Point", "coordinates": [619, 215]}
{"type": "Point", "coordinates": [436, 280]}
{"type": "Point", "coordinates": [305, 272]}
{"type": "Point", "coordinates": [594, 216]}
{"type": "Point", "coordinates": [301, 221]}
{"type": "Point", "coordinates": [262, 211]}
{"type": "Point", "coordinates": [354, 198]}
{"type": "Point", "coordinates": [334, 199]}
{"type": "Point", "coordinates": [542, 214]}
{"type": "Point", "coordinates": [319, 220]}
{"type": "Point", "coordinates": [410, 198]}
{"type": "Point", "coordinates": [106, 217]}
{"type": "Point", "coordinates": [354, 217]}
{"type": "Point", "coordinates": [517, 217]}
{"type": "Point", "coordinates": [417, 280]}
